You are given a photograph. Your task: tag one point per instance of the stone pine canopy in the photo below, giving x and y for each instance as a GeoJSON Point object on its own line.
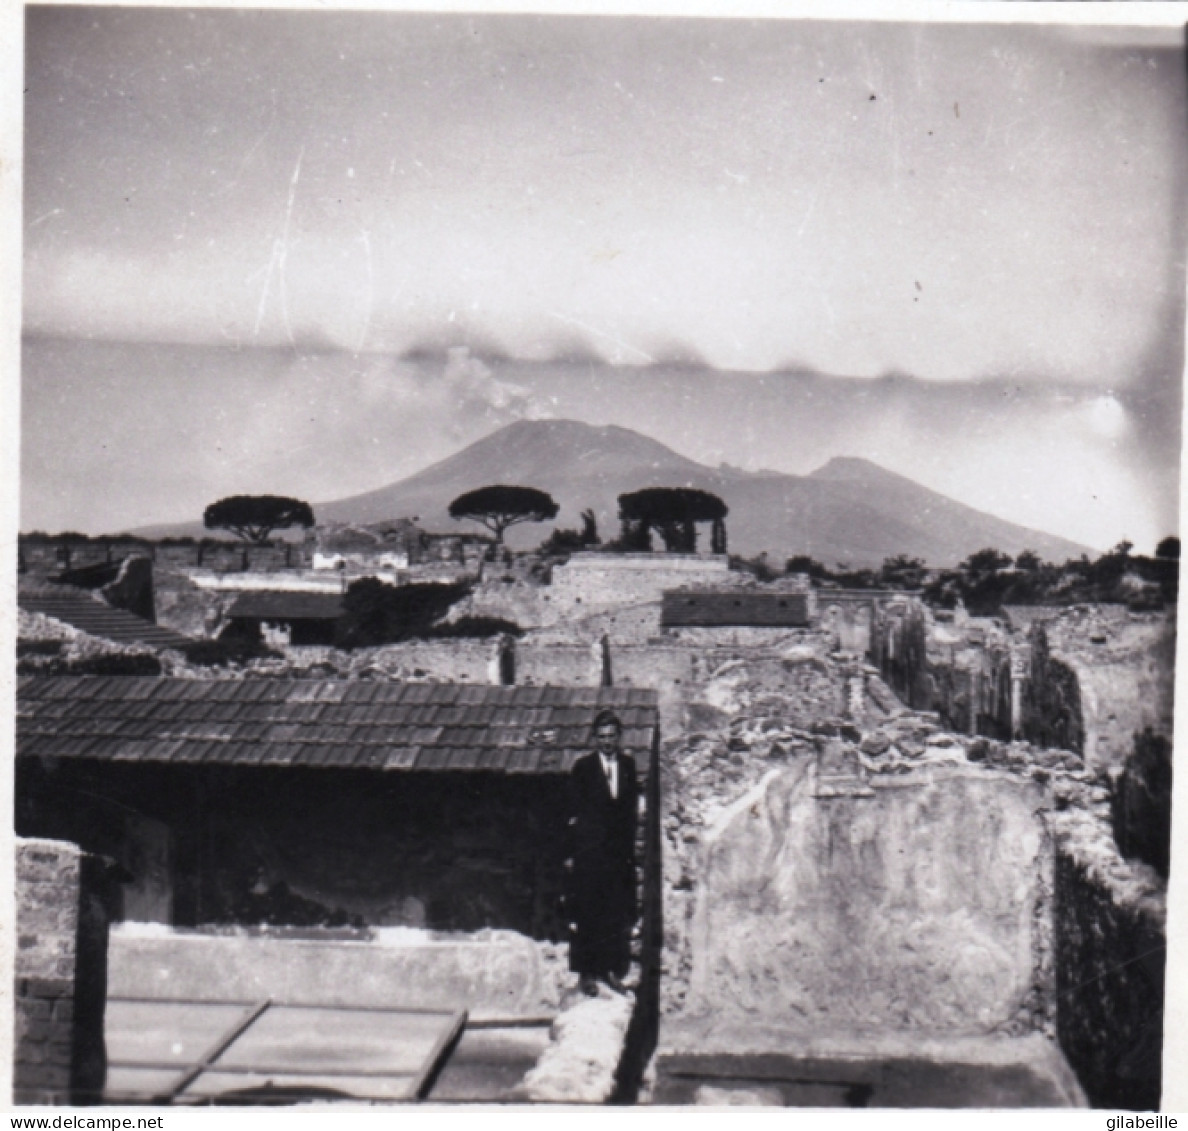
{"type": "Point", "coordinates": [332, 723]}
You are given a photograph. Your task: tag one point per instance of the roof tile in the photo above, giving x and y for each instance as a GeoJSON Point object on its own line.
{"type": "Point", "coordinates": [400, 757]}
{"type": "Point", "coordinates": [320, 722]}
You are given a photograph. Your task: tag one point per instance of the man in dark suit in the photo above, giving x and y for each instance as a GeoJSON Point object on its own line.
{"type": "Point", "coordinates": [604, 803]}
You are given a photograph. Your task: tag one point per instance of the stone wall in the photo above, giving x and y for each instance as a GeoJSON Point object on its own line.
{"type": "Point", "coordinates": [769, 639]}
{"type": "Point", "coordinates": [1124, 664]}
{"type": "Point", "coordinates": [188, 608]}
{"type": "Point", "coordinates": [1054, 705]}
{"type": "Point", "coordinates": [1142, 795]}
{"type": "Point", "coordinates": [596, 594]}
{"type": "Point", "coordinates": [559, 665]}
{"type": "Point", "coordinates": [446, 660]}
{"type": "Point", "coordinates": [525, 604]}
{"type": "Point", "coordinates": [629, 624]}
{"type": "Point", "coordinates": [53, 555]}
{"type": "Point", "coordinates": [1110, 959]}
{"type": "Point", "coordinates": [132, 588]}
{"type": "Point", "coordinates": [673, 672]}
{"type": "Point", "coordinates": [1085, 678]}
{"type": "Point", "coordinates": [300, 846]}
{"type": "Point", "coordinates": [961, 668]}
{"type": "Point", "coordinates": [60, 974]}
{"type": "Point", "coordinates": [618, 579]}
{"type": "Point", "coordinates": [848, 620]}
{"type": "Point", "coordinates": [833, 902]}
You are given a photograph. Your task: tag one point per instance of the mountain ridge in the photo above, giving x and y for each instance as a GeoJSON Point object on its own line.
{"type": "Point", "coordinates": [850, 510]}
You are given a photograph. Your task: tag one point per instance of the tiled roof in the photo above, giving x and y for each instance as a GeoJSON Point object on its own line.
{"type": "Point", "coordinates": [99, 619]}
{"type": "Point", "coordinates": [274, 605]}
{"type": "Point", "coordinates": [282, 722]}
{"type": "Point", "coordinates": [733, 607]}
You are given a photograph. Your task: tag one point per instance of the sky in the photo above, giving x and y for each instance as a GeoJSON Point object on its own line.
{"type": "Point", "coordinates": [258, 246]}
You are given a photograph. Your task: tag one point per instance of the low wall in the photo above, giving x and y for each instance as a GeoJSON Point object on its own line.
{"type": "Point", "coordinates": [491, 973]}
{"type": "Point", "coordinates": [59, 968]}
{"type": "Point", "coordinates": [900, 904]}
{"type": "Point", "coordinates": [278, 581]}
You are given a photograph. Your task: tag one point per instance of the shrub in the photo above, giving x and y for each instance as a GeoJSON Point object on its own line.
{"type": "Point", "coordinates": [228, 649]}
{"type": "Point", "coordinates": [377, 613]}
{"type": "Point", "coordinates": [116, 663]}
{"type": "Point", "coordinates": [38, 647]}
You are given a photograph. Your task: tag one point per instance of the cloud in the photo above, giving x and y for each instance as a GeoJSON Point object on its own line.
{"type": "Point", "coordinates": [471, 386]}
{"type": "Point", "coordinates": [541, 177]}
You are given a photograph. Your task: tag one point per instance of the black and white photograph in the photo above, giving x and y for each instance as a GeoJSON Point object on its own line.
{"type": "Point", "coordinates": [572, 558]}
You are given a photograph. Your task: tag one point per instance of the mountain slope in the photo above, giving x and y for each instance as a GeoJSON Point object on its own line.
{"type": "Point", "coordinates": [850, 510]}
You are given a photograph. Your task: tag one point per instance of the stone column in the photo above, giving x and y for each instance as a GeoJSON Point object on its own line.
{"type": "Point", "coordinates": [975, 695]}
{"type": "Point", "coordinates": [855, 694]}
{"type": "Point", "coordinates": [1018, 675]}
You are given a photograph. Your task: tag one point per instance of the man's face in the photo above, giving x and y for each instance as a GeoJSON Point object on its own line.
{"type": "Point", "coordinates": [606, 738]}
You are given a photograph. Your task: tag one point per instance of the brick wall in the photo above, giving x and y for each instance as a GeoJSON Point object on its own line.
{"type": "Point", "coordinates": [60, 974]}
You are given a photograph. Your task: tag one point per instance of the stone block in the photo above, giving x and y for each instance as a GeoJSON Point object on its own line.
{"type": "Point", "coordinates": [48, 1076]}
{"type": "Point", "coordinates": [46, 866]}
{"type": "Point", "coordinates": [34, 1009]}
{"type": "Point", "coordinates": [33, 1029]}
{"type": "Point", "coordinates": [45, 986]}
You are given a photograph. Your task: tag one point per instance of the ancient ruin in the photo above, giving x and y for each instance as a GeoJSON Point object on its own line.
{"type": "Point", "coordinates": [882, 855]}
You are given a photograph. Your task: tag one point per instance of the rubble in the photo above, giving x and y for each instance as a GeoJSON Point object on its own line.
{"type": "Point", "coordinates": [774, 714]}
{"type": "Point", "coordinates": [586, 1044]}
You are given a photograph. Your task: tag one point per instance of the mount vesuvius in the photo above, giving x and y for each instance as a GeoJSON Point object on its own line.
{"type": "Point", "coordinates": [850, 510]}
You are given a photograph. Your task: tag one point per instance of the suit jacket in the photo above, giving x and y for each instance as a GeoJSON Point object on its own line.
{"type": "Point", "coordinates": [603, 827]}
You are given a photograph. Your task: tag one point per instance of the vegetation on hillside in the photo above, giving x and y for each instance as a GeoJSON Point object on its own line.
{"type": "Point", "coordinates": [989, 579]}
{"type": "Point", "coordinates": [566, 541]}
